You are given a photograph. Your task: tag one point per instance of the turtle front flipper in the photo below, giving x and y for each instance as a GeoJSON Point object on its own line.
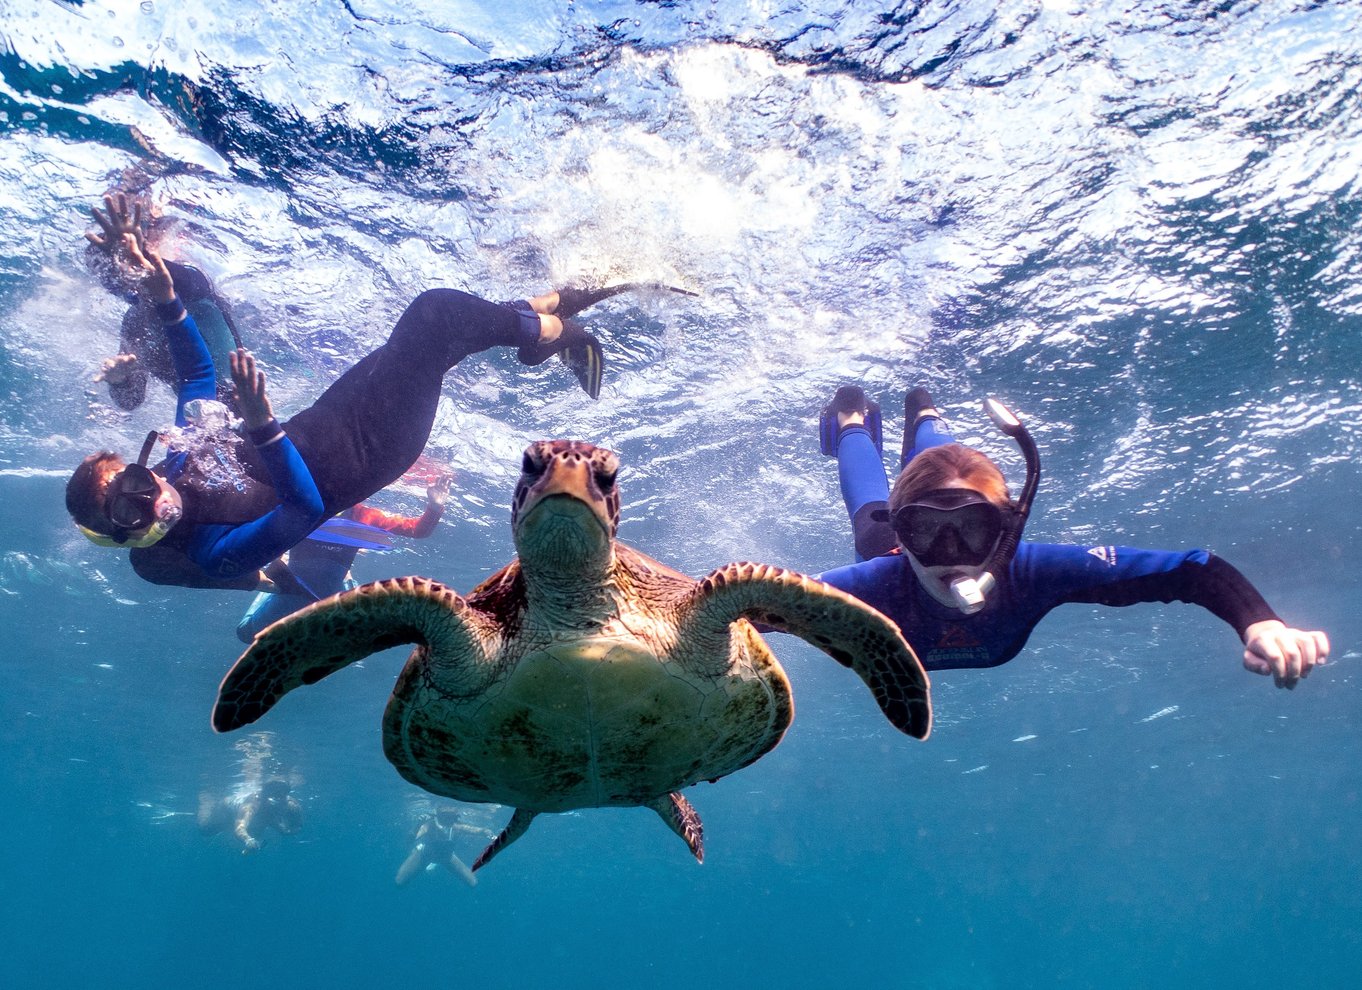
{"type": "Point", "coordinates": [333, 633]}
{"type": "Point", "coordinates": [682, 818]}
{"type": "Point", "coordinates": [845, 628]}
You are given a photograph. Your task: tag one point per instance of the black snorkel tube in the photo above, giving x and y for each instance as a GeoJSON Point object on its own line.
{"type": "Point", "coordinates": [969, 593]}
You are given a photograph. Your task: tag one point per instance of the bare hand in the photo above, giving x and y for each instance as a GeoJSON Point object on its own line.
{"type": "Point", "coordinates": [116, 370]}
{"type": "Point", "coordinates": [250, 389]}
{"type": "Point", "coordinates": [157, 284]}
{"type": "Point", "coordinates": [1288, 654]}
{"type": "Point", "coordinates": [439, 488]}
{"type": "Point", "coordinates": [116, 223]}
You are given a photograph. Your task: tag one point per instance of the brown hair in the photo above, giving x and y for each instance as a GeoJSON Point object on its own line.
{"type": "Point", "coordinates": [945, 466]}
{"type": "Point", "coordinates": [85, 490]}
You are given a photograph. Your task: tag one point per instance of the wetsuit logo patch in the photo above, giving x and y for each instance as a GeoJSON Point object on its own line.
{"type": "Point", "coordinates": [1106, 555]}
{"type": "Point", "coordinates": [958, 647]}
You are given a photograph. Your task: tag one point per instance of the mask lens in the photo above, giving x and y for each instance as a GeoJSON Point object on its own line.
{"type": "Point", "coordinates": [964, 535]}
{"type": "Point", "coordinates": [131, 499]}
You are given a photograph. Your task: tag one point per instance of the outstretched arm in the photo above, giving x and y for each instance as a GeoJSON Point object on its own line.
{"type": "Point", "coordinates": [228, 551]}
{"type": "Point", "coordinates": [415, 527]}
{"type": "Point", "coordinates": [1124, 576]}
{"type": "Point", "coordinates": [1273, 647]}
{"type": "Point", "coordinates": [243, 826]}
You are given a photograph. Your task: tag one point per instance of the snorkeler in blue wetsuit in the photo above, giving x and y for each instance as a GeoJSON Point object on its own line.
{"type": "Point", "coordinates": [942, 554]}
{"type": "Point", "coordinates": [186, 527]}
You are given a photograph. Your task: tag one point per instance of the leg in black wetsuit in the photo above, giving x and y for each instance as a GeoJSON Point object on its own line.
{"type": "Point", "coordinates": [369, 427]}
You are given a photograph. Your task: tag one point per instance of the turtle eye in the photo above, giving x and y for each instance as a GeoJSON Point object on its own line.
{"type": "Point", "coordinates": [530, 467]}
{"type": "Point", "coordinates": [605, 477]}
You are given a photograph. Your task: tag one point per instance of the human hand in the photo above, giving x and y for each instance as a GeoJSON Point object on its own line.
{"type": "Point", "coordinates": [116, 370]}
{"type": "Point", "coordinates": [157, 283]}
{"type": "Point", "coordinates": [249, 845]}
{"type": "Point", "coordinates": [118, 222]}
{"type": "Point", "coordinates": [250, 389]}
{"type": "Point", "coordinates": [1272, 647]}
{"type": "Point", "coordinates": [439, 488]}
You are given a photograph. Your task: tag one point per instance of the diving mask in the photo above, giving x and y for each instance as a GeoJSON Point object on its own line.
{"type": "Point", "coordinates": [132, 503]}
{"type": "Point", "coordinates": [950, 527]}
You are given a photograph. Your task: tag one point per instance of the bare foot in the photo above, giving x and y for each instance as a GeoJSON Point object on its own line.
{"type": "Point", "coordinates": [546, 304]}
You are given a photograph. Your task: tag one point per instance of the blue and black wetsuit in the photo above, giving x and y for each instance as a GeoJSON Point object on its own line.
{"type": "Point", "coordinates": [357, 438]}
{"type": "Point", "coordinates": [1040, 577]}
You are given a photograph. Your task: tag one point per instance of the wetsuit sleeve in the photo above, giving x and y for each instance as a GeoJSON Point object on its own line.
{"type": "Point", "coordinates": [194, 374]}
{"type": "Point", "coordinates": [1120, 576]}
{"type": "Point", "coordinates": [416, 527]}
{"type": "Point", "coordinates": [228, 551]}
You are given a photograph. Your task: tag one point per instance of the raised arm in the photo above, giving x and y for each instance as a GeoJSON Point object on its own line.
{"type": "Point", "coordinates": [415, 527]}
{"type": "Point", "coordinates": [194, 372]}
{"type": "Point", "coordinates": [228, 551]}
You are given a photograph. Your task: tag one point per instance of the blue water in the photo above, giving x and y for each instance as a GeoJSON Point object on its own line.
{"type": "Point", "coordinates": [1137, 222]}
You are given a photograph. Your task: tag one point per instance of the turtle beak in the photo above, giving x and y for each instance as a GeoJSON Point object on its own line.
{"type": "Point", "coordinates": [570, 488]}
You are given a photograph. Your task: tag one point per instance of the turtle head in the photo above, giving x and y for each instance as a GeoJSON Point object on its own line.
{"type": "Point", "coordinates": [566, 507]}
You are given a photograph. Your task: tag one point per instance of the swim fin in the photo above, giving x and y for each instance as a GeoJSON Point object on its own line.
{"type": "Point", "coordinates": [572, 300]}
{"type": "Point", "coordinates": [587, 362]}
{"type": "Point", "coordinates": [577, 349]}
{"type": "Point", "coordinates": [849, 398]}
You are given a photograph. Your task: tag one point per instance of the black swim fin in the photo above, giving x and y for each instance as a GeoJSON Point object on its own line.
{"type": "Point", "coordinates": [577, 349]}
{"type": "Point", "coordinates": [572, 300]}
{"type": "Point", "coordinates": [587, 361]}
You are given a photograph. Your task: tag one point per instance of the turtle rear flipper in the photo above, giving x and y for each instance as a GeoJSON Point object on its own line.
{"type": "Point", "coordinates": [515, 828]}
{"type": "Point", "coordinates": [845, 628]}
{"type": "Point", "coordinates": [682, 818]}
{"type": "Point", "coordinates": [334, 633]}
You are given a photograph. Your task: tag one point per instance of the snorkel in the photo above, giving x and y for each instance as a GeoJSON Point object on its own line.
{"type": "Point", "coordinates": [970, 592]}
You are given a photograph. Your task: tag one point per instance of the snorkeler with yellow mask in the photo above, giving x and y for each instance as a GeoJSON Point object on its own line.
{"type": "Point", "coordinates": [220, 508]}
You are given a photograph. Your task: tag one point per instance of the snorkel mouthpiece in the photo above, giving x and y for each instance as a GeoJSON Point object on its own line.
{"type": "Point", "coordinates": [971, 592]}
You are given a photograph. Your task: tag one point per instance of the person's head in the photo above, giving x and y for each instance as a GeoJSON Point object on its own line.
{"type": "Point", "coordinates": [949, 508]}
{"type": "Point", "coordinates": [119, 504]}
{"type": "Point", "coordinates": [951, 465]}
{"type": "Point", "coordinates": [274, 789]}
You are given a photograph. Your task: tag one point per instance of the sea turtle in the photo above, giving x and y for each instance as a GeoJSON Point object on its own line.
{"type": "Point", "coordinates": [583, 674]}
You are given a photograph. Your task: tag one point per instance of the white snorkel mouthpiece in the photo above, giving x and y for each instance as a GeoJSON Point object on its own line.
{"type": "Point", "coordinates": [969, 593]}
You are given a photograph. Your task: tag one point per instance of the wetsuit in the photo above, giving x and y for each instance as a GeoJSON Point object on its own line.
{"type": "Point", "coordinates": [357, 438]}
{"type": "Point", "coordinates": [1041, 576]}
{"type": "Point", "coordinates": [141, 336]}
{"type": "Point", "coordinates": [323, 568]}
